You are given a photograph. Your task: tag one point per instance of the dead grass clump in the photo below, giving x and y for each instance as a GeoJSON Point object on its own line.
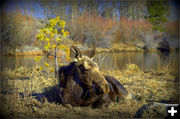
{"type": "Point", "coordinates": [131, 69]}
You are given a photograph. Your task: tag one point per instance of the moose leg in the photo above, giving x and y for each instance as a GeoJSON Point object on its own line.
{"type": "Point", "coordinates": [61, 97]}
{"type": "Point", "coordinates": [102, 102]}
{"type": "Point", "coordinates": [89, 101]}
{"type": "Point", "coordinates": [118, 89]}
{"type": "Point", "coordinates": [62, 100]}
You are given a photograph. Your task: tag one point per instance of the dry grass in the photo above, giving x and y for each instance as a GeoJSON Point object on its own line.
{"type": "Point", "coordinates": [125, 47]}
{"type": "Point", "coordinates": [172, 68]}
{"type": "Point", "coordinates": [145, 86]}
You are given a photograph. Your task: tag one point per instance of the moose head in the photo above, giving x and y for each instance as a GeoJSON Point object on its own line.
{"type": "Point", "coordinates": [88, 71]}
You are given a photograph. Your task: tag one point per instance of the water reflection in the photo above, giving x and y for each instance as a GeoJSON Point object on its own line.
{"type": "Point", "coordinates": [145, 60]}
{"type": "Point", "coordinates": [107, 61]}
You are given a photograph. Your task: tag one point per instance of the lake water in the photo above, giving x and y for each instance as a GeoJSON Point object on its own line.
{"type": "Point", "coordinates": [107, 61]}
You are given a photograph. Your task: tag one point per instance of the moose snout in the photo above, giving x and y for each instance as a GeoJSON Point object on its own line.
{"type": "Point", "coordinates": [101, 82]}
{"type": "Point", "coordinates": [105, 87]}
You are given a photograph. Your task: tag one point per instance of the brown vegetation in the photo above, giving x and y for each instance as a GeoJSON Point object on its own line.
{"type": "Point", "coordinates": [158, 86]}
{"type": "Point", "coordinates": [17, 30]}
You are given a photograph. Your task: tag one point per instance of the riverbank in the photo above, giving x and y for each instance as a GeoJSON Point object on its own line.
{"type": "Point", "coordinates": [148, 86]}
{"type": "Point", "coordinates": [115, 48]}
{"type": "Point", "coordinates": [35, 51]}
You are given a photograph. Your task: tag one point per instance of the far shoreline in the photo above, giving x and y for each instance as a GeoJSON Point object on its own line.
{"type": "Point", "coordinates": [115, 49]}
{"type": "Point", "coordinates": [98, 51]}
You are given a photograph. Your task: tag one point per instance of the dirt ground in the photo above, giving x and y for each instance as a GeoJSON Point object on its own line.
{"type": "Point", "coordinates": [17, 87]}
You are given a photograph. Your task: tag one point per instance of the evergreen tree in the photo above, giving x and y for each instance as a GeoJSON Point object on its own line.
{"type": "Point", "coordinates": [157, 13]}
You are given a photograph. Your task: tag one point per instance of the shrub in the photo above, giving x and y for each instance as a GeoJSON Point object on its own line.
{"type": "Point", "coordinates": [131, 30]}
{"type": "Point", "coordinates": [17, 30]}
{"type": "Point", "coordinates": [90, 27]}
{"type": "Point", "coordinates": [53, 35]}
{"type": "Point", "coordinates": [132, 67]}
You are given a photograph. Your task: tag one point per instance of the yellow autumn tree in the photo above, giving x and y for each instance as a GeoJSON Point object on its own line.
{"type": "Point", "coordinates": [52, 36]}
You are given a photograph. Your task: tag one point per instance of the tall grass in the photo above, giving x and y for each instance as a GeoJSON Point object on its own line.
{"type": "Point", "coordinates": [170, 67]}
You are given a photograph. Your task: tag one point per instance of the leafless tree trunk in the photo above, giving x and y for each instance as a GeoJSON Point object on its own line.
{"type": "Point", "coordinates": [56, 62]}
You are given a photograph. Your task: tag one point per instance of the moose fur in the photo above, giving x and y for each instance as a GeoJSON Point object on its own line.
{"type": "Point", "coordinates": [82, 84]}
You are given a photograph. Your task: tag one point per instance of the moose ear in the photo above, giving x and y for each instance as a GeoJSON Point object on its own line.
{"type": "Point", "coordinates": [75, 53]}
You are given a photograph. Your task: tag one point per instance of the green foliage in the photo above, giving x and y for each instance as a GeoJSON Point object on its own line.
{"type": "Point", "coordinates": [53, 34]}
{"type": "Point", "coordinates": [157, 13]}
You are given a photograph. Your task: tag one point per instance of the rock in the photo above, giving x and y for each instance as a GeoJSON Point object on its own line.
{"type": "Point", "coordinates": [140, 44]}
{"type": "Point", "coordinates": [151, 110]}
{"type": "Point", "coordinates": [174, 43]}
{"type": "Point", "coordinates": [18, 50]}
{"type": "Point", "coordinates": [162, 42]}
{"type": "Point", "coordinates": [27, 48]}
{"type": "Point", "coordinates": [163, 46]}
{"type": "Point", "coordinates": [26, 51]}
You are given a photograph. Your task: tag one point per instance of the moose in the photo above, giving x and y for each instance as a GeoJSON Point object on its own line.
{"type": "Point", "coordinates": [82, 84]}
